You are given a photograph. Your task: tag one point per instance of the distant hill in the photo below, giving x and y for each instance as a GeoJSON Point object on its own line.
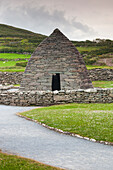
{"type": "Point", "coordinates": [14, 39]}
{"type": "Point", "coordinates": [10, 31]}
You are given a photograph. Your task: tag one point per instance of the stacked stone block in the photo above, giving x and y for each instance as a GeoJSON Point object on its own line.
{"type": "Point", "coordinates": [44, 98]}
{"type": "Point", "coordinates": [10, 77]}
{"type": "Point", "coordinates": [101, 74]}
{"type": "Point", "coordinates": [56, 54]}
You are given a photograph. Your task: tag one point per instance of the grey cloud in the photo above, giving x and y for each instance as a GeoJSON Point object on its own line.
{"type": "Point", "coordinates": [42, 21]}
{"type": "Point", "coordinates": [80, 26]}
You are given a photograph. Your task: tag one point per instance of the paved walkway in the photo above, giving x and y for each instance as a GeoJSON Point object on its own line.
{"type": "Point", "coordinates": [28, 139]}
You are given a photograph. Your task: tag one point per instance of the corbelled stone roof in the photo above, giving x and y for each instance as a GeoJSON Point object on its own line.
{"type": "Point", "coordinates": [56, 41]}
{"type": "Point", "coordinates": [56, 54]}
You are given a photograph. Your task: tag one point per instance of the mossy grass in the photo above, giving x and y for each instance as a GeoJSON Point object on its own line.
{"type": "Point", "coordinates": [103, 84]}
{"type": "Point", "coordinates": [16, 85]}
{"type": "Point", "coordinates": [88, 120]}
{"type": "Point", "coordinates": [89, 67]}
{"type": "Point", "coordinates": [12, 162]}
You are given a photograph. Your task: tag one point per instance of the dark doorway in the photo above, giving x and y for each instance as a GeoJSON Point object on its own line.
{"type": "Point", "coordinates": [56, 82]}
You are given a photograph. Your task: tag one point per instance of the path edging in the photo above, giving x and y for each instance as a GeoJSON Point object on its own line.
{"type": "Point", "coordinates": [66, 133]}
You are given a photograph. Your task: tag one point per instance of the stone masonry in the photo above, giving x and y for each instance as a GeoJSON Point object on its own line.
{"type": "Point", "coordinates": [101, 74]}
{"type": "Point", "coordinates": [10, 77]}
{"type": "Point", "coordinates": [44, 98]}
{"type": "Point", "coordinates": [55, 55]}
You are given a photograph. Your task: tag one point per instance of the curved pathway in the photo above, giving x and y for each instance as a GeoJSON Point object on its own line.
{"type": "Point", "coordinates": [31, 140]}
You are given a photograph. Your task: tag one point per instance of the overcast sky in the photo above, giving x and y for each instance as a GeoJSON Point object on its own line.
{"type": "Point", "coordinates": [77, 19]}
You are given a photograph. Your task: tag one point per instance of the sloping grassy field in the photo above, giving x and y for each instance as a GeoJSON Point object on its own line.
{"type": "Point", "coordinates": [88, 120]}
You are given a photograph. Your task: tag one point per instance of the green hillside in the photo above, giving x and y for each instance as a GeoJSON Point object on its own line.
{"type": "Point", "coordinates": [15, 40]}
{"type": "Point", "coordinates": [94, 52]}
{"type": "Point", "coordinates": [10, 31]}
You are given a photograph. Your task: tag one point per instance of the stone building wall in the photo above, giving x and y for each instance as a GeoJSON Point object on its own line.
{"type": "Point", "coordinates": [94, 74]}
{"type": "Point", "coordinates": [56, 55]}
{"type": "Point", "coordinates": [49, 98]}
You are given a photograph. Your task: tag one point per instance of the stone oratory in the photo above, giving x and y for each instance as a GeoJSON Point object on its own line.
{"type": "Point", "coordinates": [56, 64]}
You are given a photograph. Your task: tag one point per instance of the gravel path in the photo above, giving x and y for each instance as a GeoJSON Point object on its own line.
{"type": "Point", "coordinates": [31, 140]}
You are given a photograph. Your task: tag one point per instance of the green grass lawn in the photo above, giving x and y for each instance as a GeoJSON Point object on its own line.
{"type": "Point", "coordinates": [13, 55]}
{"type": "Point", "coordinates": [103, 84]}
{"type": "Point", "coordinates": [16, 85]}
{"type": "Point", "coordinates": [9, 63]}
{"type": "Point", "coordinates": [10, 66]}
{"type": "Point", "coordinates": [88, 120]}
{"type": "Point", "coordinates": [11, 162]}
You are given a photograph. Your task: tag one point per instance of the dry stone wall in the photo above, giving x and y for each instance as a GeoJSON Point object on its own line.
{"type": "Point", "coordinates": [101, 74]}
{"type": "Point", "coordinates": [19, 98]}
{"type": "Point", "coordinates": [10, 77]}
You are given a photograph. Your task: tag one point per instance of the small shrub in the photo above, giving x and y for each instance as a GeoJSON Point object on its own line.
{"type": "Point", "coordinates": [102, 64]}
{"type": "Point", "coordinates": [22, 64]}
{"type": "Point", "coordinates": [88, 60]}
